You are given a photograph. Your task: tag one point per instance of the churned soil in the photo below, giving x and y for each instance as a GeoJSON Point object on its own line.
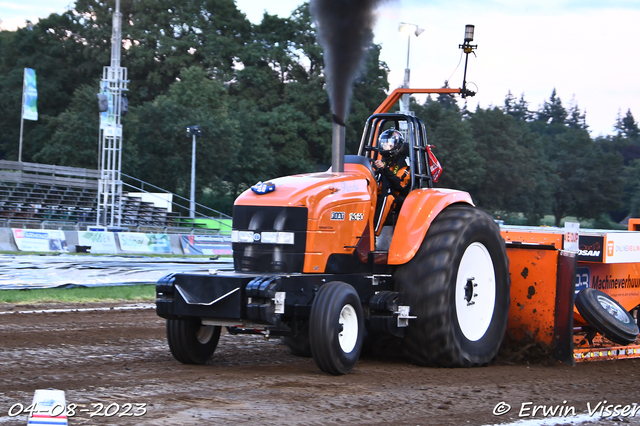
{"type": "Point", "coordinates": [117, 357]}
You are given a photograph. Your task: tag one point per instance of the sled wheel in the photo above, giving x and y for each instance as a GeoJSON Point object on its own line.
{"type": "Point", "coordinates": [606, 316]}
{"type": "Point", "coordinates": [191, 342]}
{"type": "Point", "coordinates": [299, 345]}
{"type": "Point", "coordinates": [336, 328]}
{"type": "Point", "coordinates": [457, 286]}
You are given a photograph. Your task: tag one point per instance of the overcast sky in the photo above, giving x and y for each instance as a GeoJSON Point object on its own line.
{"type": "Point", "coordinates": [585, 49]}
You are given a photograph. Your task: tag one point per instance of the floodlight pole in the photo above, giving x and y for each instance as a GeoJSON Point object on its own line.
{"type": "Point", "coordinates": [405, 101]}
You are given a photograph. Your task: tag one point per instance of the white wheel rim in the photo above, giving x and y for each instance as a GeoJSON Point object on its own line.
{"type": "Point", "coordinates": [349, 334]}
{"type": "Point", "coordinates": [475, 291]}
{"type": "Point", "coordinates": [613, 310]}
{"type": "Point", "coordinates": [205, 333]}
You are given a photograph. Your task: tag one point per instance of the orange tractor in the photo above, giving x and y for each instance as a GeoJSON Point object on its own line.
{"type": "Point", "coordinates": [313, 265]}
{"type": "Point", "coordinates": [316, 265]}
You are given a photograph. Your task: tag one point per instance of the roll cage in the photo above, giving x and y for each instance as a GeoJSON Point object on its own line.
{"type": "Point", "coordinates": [416, 147]}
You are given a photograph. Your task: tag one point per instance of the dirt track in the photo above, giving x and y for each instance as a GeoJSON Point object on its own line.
{"type": "Point", "coordinates": [122, 357]}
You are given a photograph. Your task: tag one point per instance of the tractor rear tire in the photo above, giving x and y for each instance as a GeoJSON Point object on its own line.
{"type": "Point", "coordinates": [607, 316]}
{"type": "Point", "coordinates": [336, 328]}
{"type": "Point", "coordinates": [457, 285]}
{"type": "Point", "coordinates": [191, 342]}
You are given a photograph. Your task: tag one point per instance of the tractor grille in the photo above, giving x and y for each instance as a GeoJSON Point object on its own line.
{"type": "Point", "coordinates": [258, 256]}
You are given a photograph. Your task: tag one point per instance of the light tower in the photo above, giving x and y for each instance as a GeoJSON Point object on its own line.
{"type": "Point", "coordinates": [113, 84]}
{"type": "Point", "coordinates": [408, 29]}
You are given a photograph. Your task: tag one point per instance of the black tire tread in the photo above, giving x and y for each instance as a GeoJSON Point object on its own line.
{"type": "Point", "coordinates": [184, 345]}
{"type": "Point", "coordinates": [601, 321]}
{"type": "Point", "coordinates": [321, 318]}
{"type": "Point", "coordinates": [426, 282]}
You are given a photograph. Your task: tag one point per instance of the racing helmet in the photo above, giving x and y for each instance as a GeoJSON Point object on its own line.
{"type": "Point", "coordinates": [390, 143]}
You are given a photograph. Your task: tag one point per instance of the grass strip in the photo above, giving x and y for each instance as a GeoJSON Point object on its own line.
{"type": "Point", "coordinates": [131, 293]}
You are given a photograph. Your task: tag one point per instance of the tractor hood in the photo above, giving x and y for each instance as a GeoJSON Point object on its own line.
{"type": "Point", "coordinates": [315, 191]}
{"type": "Point", "coordinates": [318, 215]}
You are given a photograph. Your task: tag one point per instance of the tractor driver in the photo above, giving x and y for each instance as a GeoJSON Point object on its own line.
{"type": "Point", "coordinates": [393, 169]}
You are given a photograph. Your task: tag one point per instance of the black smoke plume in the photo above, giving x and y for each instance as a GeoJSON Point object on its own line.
{"type": "Point", "coordinates": [345, 31]}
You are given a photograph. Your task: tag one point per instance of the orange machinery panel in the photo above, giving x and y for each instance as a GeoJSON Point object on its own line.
{"type": "Point", "coordinates": [542, 288]}
{"type": "Point", "coordinates": [531, 235]}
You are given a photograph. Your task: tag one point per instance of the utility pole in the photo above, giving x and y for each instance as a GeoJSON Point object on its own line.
{"type": "Point", "coordinates": [193, 131]}
{"type": "Point", "coordinates": [113, 84]}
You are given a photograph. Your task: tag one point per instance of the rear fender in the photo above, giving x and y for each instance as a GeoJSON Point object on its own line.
{"type": "Point", "coordinates": [419, 209]}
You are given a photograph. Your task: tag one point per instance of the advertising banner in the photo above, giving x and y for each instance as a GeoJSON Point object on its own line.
{"type": "Point", "coordinates": [106, 117]}
{"type": "Point", "coordinates": [144, 243]}
{"type": "Point", "coordinates": [591, 248]}
{"type": "Point", "coordinates": [206, 244]}
{"type": "Point", "coordinates": [30, 96]}
{"type": "Point", "coordinates": [99, 241]}
{"type": "Point", "coordinates": [622, 247]}
{"type": "Point", "coordinates": [40, 240]}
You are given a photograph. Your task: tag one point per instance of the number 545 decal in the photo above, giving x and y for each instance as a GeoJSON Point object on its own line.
{"type": "Point", "coordinates": [356, 216]}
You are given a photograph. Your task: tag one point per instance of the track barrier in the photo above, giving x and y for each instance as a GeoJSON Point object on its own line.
{"type": "Point", "coordinates": [106, 242]}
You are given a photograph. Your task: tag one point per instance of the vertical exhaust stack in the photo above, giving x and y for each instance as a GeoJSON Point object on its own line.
{"type": "Point", "coordinates": [337, 145]}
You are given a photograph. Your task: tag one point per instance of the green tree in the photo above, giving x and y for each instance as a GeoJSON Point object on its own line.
{"type": "Point", "coordinates": [517, 109]}
{"type": "Point", "coordinates": [626, 143]}
{"type": "Point", "coordinates": [74, 140]}
{"type": "Point", "coordinates": [552, 111]}
{"type": "Point", "coordinates": [588, 180]}
{"type": "Point", "coordinates": [448, 101]}
{"type": "Point", "coordinates": [575, 118]}
{"type": "Point", "coordinates": [453, 145]}
{"type": "Point", "coordinates": [515, 172]}
{"type": "Point", "coordinates": [161, 38]}
{"type": "Point", "coordinates": [627, 126]}
{"type": "Point", "coordinates": [157, 149]}
{"type": "Point", "coordinates": [59, 58]}
{"type": "Point", "coordinates": [631, 191]}
{"type": "Point", "coordinates": [282, 85]}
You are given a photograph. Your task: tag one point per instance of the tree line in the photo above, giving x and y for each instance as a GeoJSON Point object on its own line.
{"type": "Point", "coordinates": [521, 164]}
{"type": "Point", "coordinates": [258, 93]}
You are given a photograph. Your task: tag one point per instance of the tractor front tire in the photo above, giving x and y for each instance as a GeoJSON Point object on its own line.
{"type": "Point", "coordinates": [336, 328]}
{"type": "Point", "coordinates": [457, 286]}
{"type": "Point", "coordinates": [191, 342]}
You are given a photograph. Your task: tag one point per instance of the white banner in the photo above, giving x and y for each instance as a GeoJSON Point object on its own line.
{"type": "Point", "coordinates": [99, 241]}
{"type": "Point", "coordinates": [622, 247]}
{"type": "Point", "coordinates": [571, 236]}
{"type": "Point", "coordinates": [40, 240]}
{"type": "Point", "coordinates": [144, 243]}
